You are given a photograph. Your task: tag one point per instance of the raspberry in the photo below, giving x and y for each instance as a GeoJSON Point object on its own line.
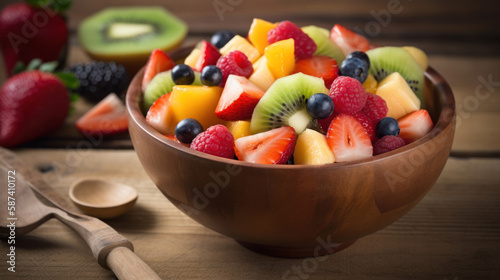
{"type": "Point", "coordinates": [387, 144]}
{"type": "Point", "coordinates": [348, 95]}
{"type": "Point", "coordinates": [375, 108]}
{"type": "Point", "coordinates": [216, 140]}
{"type": "Point", "coordinates": [235, 63]}
{"type": "Point", "coordinates": [367, 124]}
{"type": "Point", "coordinates": [304, 45]}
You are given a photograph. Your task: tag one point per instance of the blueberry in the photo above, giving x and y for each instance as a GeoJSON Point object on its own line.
{"type": "Point", "coordinates": [360, 55]}
{"type": "Point", "coordinates": [182, 74]}
{"type": "Point", "coordinates": [320, 106]}
{"type": "Point", "coordinates": [221, 38]}
{"type": "Point", "coordinates": [211, 75]}
{"type": "Point", "coordinates": [387, 126]}
{"type": "Point", "coordinates": [187, 129]}
{"type": "Point", "coordinates": [354, 67]}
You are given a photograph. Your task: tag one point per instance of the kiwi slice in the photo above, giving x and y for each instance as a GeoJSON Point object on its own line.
{"type": "Point", "coordinates": [386, 60]}
{"type": "Point", "coordinates": [284, 103]}
{"type": "Point", "coordinates": [162, 83]}
{"type": "Point", "coordinates": [325, 46]}
{"type": "Point", "coordinates": [127, 35]}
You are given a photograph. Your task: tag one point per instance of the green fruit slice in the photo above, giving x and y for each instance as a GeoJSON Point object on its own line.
{"type": "Point", "coordinates": [325, 46]}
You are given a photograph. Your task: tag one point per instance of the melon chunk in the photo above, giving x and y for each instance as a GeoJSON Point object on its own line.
{"type": "Point", "coordinates": [396, 92]}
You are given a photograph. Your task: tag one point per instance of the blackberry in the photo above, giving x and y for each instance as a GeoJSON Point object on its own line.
{"type": "Point", "coordinates": [98, 79]}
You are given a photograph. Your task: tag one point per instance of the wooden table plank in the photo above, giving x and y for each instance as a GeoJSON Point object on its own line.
{"type": "Point", "coordinates": [454, 233]}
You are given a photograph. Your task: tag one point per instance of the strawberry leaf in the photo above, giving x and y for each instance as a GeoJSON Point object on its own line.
{"type": "Point", "coordinates": [34, 64]}
{"type": "Point", "coordinates": [56, 5]}
{"type": "Point", "coordinates": [49, 66]}
{"type": "Point", "coordinates": [69, 80]}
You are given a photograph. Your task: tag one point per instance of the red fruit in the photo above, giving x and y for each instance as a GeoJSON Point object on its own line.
{"type": "Point", "coordinates": [348, 95]}
{"type": "Point", "coordinates": [270, 147]}
{"type": "Point", "coordinates": [415, 125]}
{"type": "Point", "coordinates": [159, 115]}
{"type": "Point", "coordinates": [375, 108]}
{"type": "Point", "coordinates": [158, 62]}
{"type": "Point", "coordinates": [304, 45]}
{"type": "Point", "coordinates": [216, 140]}
{"type": "Point", "coordinates": [32, 104]}
{"type": "Point", "coordinates": [367, 124]}
{"type": "Point", "coordinates": [106, 118]}
{"type": "Point", "coordinates": [209, 55]}
{"type": "Point", "coordinates": [348, 40]}
{"type": "Point", "coordinates": [348, 140]}
{"type": "Point", "coordinates": [235, 63]}
{"type": "Point", "coordinates": [387, 144]}
{"type": "Point", "coordinates": [323, 67]}
{"type": "Point", "coordinates": [27, 33]}
{"type": "Point", "coordinates": [325, 123]}
{"type": "Point", "coordinates": [239, 98]}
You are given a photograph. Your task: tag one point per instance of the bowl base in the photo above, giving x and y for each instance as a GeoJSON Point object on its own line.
{"type": "Point", "coordinates": [284, 252]}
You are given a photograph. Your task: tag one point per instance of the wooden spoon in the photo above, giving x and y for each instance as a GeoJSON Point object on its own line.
{"type": "Point", "coordinates": [111, 249]}
{"type": "Point", "coordinates": [102, 199]}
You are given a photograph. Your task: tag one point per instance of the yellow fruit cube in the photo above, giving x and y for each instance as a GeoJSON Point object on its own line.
{"type": "Point", "coordinates": [419, 56]}
{"type": "Point", "coordinates": [239, 128]}
{"type": "Point", "coordinates": [370, 84]}
{"type": "Point", "coordinates": [192, 58]}
{"type": "Point", "coordinates": [258, 33]}
{"type": "Point", "coordinates": [241, 44]}
{"type": "Point", "coordinates": [281, 58]}
{"type": "Point", "coordinates": [312, 148]}
{"type": "Point", "coordinates": [396, 92]}
{"type": "Point", "coordinates": [197, 102]}
{"type": "Point", "coordinates": [262, 76]}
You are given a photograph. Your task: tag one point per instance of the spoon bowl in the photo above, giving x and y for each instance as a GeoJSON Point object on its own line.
{"type": "Point", "coordinates": [102, 199]}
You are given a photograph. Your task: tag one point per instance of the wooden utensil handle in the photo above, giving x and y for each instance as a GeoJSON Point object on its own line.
{"type": "Point", "coordinates": [127, 265]}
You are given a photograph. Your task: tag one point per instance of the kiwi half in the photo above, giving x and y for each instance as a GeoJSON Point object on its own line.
{"type": "Point", "coordinates": [128, 35]}
{"type": "Point", "coordinates": [386, 60]}
{"type": "Point", "coordinates": [284, 103]}
{"type": "Point", "coordinates": [162, 83]}
{"type": "Point", "coordinates": [325, 46]}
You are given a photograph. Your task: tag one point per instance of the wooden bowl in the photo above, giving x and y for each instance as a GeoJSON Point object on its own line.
{"type": "Point", "coordinates": [296, 210]}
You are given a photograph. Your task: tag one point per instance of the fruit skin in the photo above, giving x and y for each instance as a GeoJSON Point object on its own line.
{"type": "Point", "coordinates": [415, 125]}
{"type": "Point", "coordinates": [216, 140]}
{"type": "Point", "coordinates": [239, 128]}
{"type": "Point", "coordinates": [311, 148]}
{"type": "Point", "coordinates": [367, 124]}
{"type": "Point", "coordinates": [160, 116]}
{"type": "Point", "coordinates": [158, 62]}
{"type": "Point", "coordinates": [98, 79]}
{"type": "Point", "coordinates": [220, 38]}
{"type": "Point", "coordinates": [182, 74]}
{"type": "Point", "coordinates": [361, 55]}
{"type": "Point", "coordinates": [320, 106]}
{"type": "Point", "coordinates": [325, 123]}
{"type": "Point", "coordinates": [348, 140]}
{"type": "Point", "coordinates": [187, 129]}
{"type": "Point", "coordinates": [108, 117]}
{"type": "Point", "coordinates": [280, 58]}
{"type": "Point", "coordinates": [208, 56]}
{"type": "Point", "coordinates": [375, 108]}
{"type": "Point", "coordinates": [400, 99]}
{"type": "Point", "coordinates": [370, 84]}
{"type": "Point", "coordinates": [323, 67]}
{"type": "Point", "coordinates": [241, 44]}
{"type": "Point", "coordinates": [32, 104]}
{"type": "Point", "coordinates": [23, 38]}
{"type": "Point", "coordinates": [387, 144]}
{"type": "Point", "coordinates": [211, 75]}
{"type": "Point", "coordinates": [271, 147]}
{"type": "Point", "coordinates": [238, 99]}
{"type": "Point", "coordinates": [304, 45]}
{"type": "Point", "coordinates": [325, 46]}
{"type": "Point", "coordinates": [348, 95]}
{"type": "Point", "coordinates": [262, 76]}
{"type": "Point", "coordinates": [419, 56]}
{"type": "Point", "coordinates": [387, 126]}
{"type": "Point", "coordinates": [257, 35]}
{"type": "Point", "coordinates": [235, 63]}
{"type": "Point", "coordinates": [354, 67]}
{"type": "Point", "coordinates": [348, 40]}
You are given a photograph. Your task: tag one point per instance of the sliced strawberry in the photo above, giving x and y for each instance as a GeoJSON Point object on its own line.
{"type": "Point", "coordinates": [323, 67]}
{"type": "Point", "coordinates": [270, 147]}
{"type": "Point", "coordinates": [107, 117]}
{"type": "Point", "coordinates": [348, 40]}
{"type": "Point", "coordinates": [239, 98]}
{"type": "Point", "coordinates": [160, 116]}
{"type": "Point", "coordinates": [415, 125]}
{"type": "Point", "coordinates": [158, 62]}
{"type": "Point", "coordinates": [348, 139]}
{"type": "Point", "coordinates": [325, 123]}
{"type": "Point", "coordinates": [367, 124]}
{"type": "Point", "coordinates": [208, 56]}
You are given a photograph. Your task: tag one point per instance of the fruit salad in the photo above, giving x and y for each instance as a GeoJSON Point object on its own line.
{"type": "Point", "coordinates": [289, 95]}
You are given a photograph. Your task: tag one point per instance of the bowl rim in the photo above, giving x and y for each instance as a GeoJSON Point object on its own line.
{"type": "Point", "coordinates": [446, 119]}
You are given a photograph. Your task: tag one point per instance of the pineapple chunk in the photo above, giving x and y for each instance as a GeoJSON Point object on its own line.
{"type": "Point", "coordinates": [192, 58]}
{"type": "Point", "coordinates": [258, 33]}
{"type": "Point", "coordinates": [262, 76]}
{"type": "Point", "coordinates": [370, 84]}
{"type": "Point", "coordinates": [312, 148]}
{"type": "Point", "coordinates": [239, 128]}
{"type": "Point", "coordinates": [419, 56]}
{"type": "Point", "coordinates": [241, 44]}
{"type": "Point", "coordinates": [281, 58]}
{"type": "Point", "coordinates": [396, 92]}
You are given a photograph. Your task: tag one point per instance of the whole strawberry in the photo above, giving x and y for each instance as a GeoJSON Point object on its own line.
{"type": "Point", "coordinates": [32, 104]}
{"type": "Point", "coordinates": [30, 31]}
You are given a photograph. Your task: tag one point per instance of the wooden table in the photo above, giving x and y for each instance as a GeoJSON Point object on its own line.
{"type": "Point", "coordinates": [453, 233]}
